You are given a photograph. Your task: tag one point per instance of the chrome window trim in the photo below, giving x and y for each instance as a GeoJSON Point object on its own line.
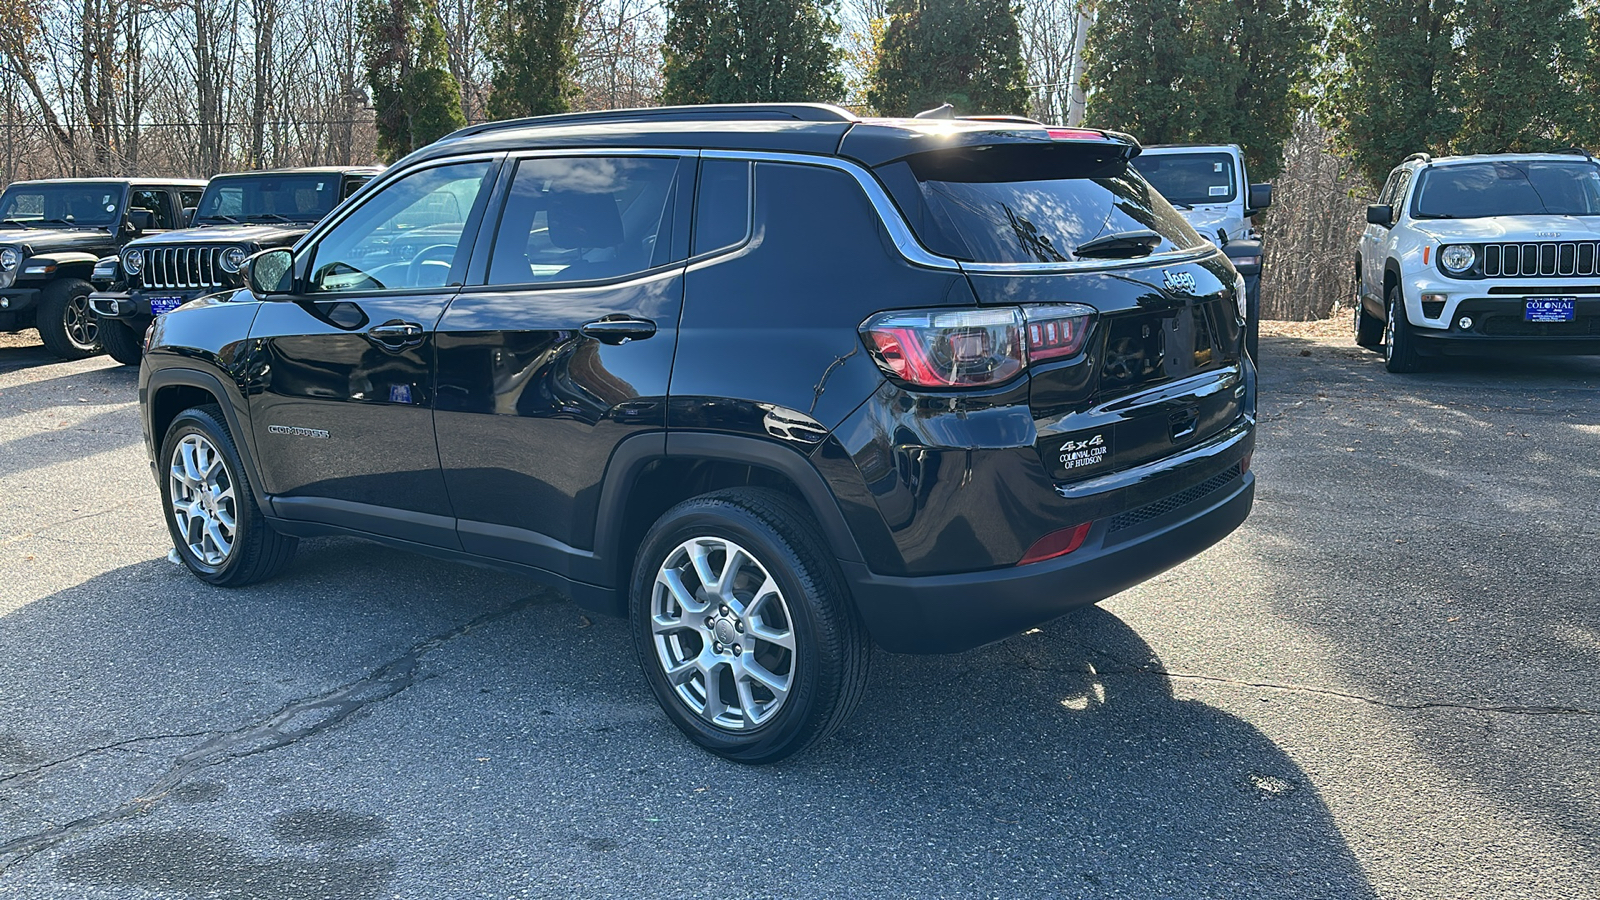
{"type": "Point", "coordinates": [915, 253]}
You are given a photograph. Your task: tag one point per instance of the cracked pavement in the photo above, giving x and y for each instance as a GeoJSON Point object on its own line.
{"type": "Point", "coordinates": [1382, 686]}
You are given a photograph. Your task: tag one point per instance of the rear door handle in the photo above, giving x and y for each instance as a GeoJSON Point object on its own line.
{"type": "Point", "coordinates": [619, 329]}
{"type": "Point", "coordinates": [396, 335]}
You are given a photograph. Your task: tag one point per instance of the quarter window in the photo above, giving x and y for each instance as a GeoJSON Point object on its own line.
{"type": "Point", "coordinates": [722, 205]}
{"type": "Point", "coordinates": [585, 218]}
{"type": "Point", "coordinates": [406, 236]}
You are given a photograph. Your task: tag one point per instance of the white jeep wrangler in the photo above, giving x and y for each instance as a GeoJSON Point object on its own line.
{"type": "Point", "coordinates": [1475, 254]}
{"type": "Point", "coordinates": [1208, 185]}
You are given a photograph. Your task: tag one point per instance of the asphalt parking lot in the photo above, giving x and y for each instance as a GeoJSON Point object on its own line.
{"type": "Point", "coordinates": [1383, 685]}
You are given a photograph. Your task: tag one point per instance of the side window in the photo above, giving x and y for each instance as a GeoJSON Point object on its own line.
{"type": "Point", "coordinates": [156, 203]}
{"type": "Point", "coordinates": [1399, 197]}
{"type": "Point", "coordinates": [585, 219]}
{"type": "Point", "coordinates": [407, 235]}
{"type": "Point", "coordinates": [721, 205]}
{"type": "Point", "coordinates": [189, 199]}
{"type": "Point", "coordinates": [351, 185]}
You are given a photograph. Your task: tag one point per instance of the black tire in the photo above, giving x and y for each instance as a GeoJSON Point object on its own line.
{"type": "Point", "coordinates": [1368, 327]}
{"type": "Point", "coordinates": [256, 552]}
{"type": "Point", "coordinates": [121, 341]}
{"type": "Point", "coordinates": [1399, 345]}
{"type": "Point", "coordinates": [827, 667]}
{"type": "Point", "coordinates": [68, 327]}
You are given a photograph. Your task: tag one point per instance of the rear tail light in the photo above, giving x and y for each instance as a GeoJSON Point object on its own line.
{"type": "Point", "coordinates": [1076, 134]}
{"type": "Point", "coordinates": [941, 348]}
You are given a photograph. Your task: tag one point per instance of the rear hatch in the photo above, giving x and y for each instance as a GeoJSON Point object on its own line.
{"type": "Point", "coordinates": [1044, 217]}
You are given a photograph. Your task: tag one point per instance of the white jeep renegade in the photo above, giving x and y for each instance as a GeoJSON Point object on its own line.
{"type": "Point", "coordinates": [1476, 254]}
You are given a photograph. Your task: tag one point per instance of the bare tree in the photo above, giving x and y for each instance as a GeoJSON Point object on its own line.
{"type": "Point", "coordinates": [619, 53]}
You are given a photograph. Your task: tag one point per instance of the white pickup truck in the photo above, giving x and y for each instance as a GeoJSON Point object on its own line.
{"type": "Point", "coordinates": [1208, 185]}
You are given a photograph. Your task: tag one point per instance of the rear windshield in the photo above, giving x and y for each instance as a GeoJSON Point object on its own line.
{"type": "Point", "coordinates": [1191, 179]}
{"type": "Point", "coordinates": [269, 198]}
{"type": "Point", "coordinates": [1028, 205]}
{"type": "Point", "coordinates": [1503, 188]}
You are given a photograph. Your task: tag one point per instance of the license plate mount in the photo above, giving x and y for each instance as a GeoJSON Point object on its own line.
{"type": "Point", "coordinates": [1550, 309]}
{"type": "Point", "coordinates": [159, 305]}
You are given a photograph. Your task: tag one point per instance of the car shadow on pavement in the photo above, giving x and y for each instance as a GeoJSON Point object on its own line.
{"type": "Point", "coordinates": [1057, 763]}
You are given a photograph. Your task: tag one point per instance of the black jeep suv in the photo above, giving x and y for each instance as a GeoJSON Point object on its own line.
{"type": "Point", "coordinates": [51, 235]}
{"type": "Point", "coordinates": [774, 381]}
{"type": "Point", "coordinates": [239, 215]}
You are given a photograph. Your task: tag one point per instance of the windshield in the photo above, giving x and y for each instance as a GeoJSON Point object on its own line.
{"type": "Point", "coordinates": [1190, 179]}
{"type": "Point", "coordinates": [79, 203]}
{"type": "Point", "coordinates": [1501, 188]}
{"type": "Point", "coordinates": [269, 198]}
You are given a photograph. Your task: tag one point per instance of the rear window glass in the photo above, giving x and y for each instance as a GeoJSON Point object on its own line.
{"type": "Point", "coordinates": [1028, 205]}
{"type": "Point", "coordinates": [1191, 179]}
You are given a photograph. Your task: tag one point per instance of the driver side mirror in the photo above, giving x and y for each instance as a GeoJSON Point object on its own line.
{"type": "Point", "coordinates": [188, 215]}
{"type": "Point", "coordinates": [1380, 214]}
{"type": "Point", "coordinates": [1257, 198]}
{"type": "Point", "coordinates": [270, 272]}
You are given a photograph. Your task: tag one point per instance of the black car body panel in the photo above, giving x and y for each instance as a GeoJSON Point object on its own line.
{"type": "Point", "coordinates": [542, 426]}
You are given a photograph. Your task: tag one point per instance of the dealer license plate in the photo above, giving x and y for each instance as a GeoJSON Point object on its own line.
{"type": "Point", "coordinates": [1551, 309]}
{"type": "Point", "coordinates": [159, 305]}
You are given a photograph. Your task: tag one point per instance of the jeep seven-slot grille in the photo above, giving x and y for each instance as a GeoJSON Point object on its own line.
{"type": "Point", "coordinates": [1540, 260]}
{"type": "Point", "coordinates": [182, 267]}
{"type": "Point", "coordinates": [1167, 504]}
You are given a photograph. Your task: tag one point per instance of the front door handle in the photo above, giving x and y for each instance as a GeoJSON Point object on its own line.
{"type": "Point", "coordinates": [619, 329]}
{"type": "Point", "coordinates": [396, 335]}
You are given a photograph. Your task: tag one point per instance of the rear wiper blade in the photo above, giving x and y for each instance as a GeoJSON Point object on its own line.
{"type": "Point", "coordinates": [1121, 245]}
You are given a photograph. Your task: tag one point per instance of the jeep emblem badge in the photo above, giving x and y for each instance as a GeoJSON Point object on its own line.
{"type": "Point", "coordinates": [1179, 282]}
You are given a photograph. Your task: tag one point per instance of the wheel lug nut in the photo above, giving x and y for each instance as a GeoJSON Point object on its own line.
{"type": "Point", "coordinates": [710, 621]}
{"type": "Point", "coordinates": [736, 650]}
{"type": "Point", "coordinates": [739, 627]}
{"type": "Point", "coordinates": [725, 609]}
{"type": "Point", "coordinates": [717, 648]}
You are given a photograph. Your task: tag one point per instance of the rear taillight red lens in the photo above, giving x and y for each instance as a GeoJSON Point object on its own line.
{"type": "Point", "coordinates": [1075, 134]}
{"type": "Point", "coordinates": [942, 348]}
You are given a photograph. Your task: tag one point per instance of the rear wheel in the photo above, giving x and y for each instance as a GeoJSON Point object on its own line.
{"type": "Point", "coordinates": [122, 342]}
{"type": "Point", "coordinates": [744, 627]}
{"type": "Point", "coordinates": [1399, 345]}
{"type": "Point", "coordinates": [67, 326]}
{"type": "Point", "coordinates": [216, 526]}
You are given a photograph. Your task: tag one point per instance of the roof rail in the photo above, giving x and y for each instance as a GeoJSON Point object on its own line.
{"type": "Point", "coordinates": [1420, 155]}
{"type": "Point", "coordinates": [1577, 151]}
{"type": "Point", "coordinates": [800, 112]}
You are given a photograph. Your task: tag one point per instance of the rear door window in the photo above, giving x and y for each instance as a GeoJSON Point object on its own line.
{"type": "Point", "coordinates": [722, 205]}
{"type": "Point", "coordinates": [1029, 204]}
{"type": "Point", "coordinates": [585, 218]}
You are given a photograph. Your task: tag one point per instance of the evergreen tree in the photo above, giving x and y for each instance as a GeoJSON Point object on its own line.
{"type": "Point", "coordinates": [417, 100]}
{"type": "Point", "coordinates": [1393, 89]}
{"type": "Point", "coordinates": [1213, 71]}
{"type": "Point", "coordinates": [967, 53]}
{"type": "Point", "coordinates": [751, 51]}
{"type": "Point", "coordinates": [1520, 65]}
{"type": "Point", "coordinates": [1137, 57]}
{"type": "Point", "coordinates": [530, 49]}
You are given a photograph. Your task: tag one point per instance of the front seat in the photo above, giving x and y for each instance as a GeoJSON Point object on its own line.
{"type": "Point", "coordinates": [586, 222]}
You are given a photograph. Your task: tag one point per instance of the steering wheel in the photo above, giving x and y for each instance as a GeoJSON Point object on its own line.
{"type": "Point", "coordinates": [436, 255]}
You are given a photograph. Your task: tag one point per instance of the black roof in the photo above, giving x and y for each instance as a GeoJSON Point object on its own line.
{"type": "Point", "coordinates": [806, 128]}
{"type": "Point", "coordinates": [136, 182]}
{"type": "Point", "coordinates": [309, 170]}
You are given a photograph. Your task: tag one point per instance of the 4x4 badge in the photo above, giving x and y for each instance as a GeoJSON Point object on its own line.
{"type": "Point", "coordinates": [1179, 282]}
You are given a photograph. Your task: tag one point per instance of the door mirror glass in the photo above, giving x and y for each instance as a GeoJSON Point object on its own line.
{"type": "Point", "coordinates": [188, 216]}
{"type": "Point", "coordinates": [270, 272]}
{"type": "Point", "coordinates": [1379, 214]}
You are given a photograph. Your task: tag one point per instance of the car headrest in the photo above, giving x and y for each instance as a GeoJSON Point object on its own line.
{"type": "Point", "coordinates": [580, 221]}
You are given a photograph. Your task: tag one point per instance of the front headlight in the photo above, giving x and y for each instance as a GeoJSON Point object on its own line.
{"type": "Point", "coordinates": [132, 261]}
{"type": "Point", "coordinates": [1457, 258]}
{"type": "Point", "coordinates": [233, 259]}
{"type": "Point", "coordinates": [10, 258]}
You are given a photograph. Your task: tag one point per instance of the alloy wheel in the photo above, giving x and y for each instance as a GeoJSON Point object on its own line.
{"type": "Point", "coordinates": [202, 498]}
{"type": "Point", "coordinates": [723, 633]}
{"type": "Point", "coordinates": [82, 325]}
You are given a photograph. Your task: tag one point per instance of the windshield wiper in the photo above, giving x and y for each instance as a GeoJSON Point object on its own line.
{"type": "Point", "coordinates": [229, 219]}
{"type": "Point", "coordinates": [269, 217]}
{"type": "Point", "coordinates": [25, 223]}
{"type": "Point", "coordinates": [1121, 245]}
{"type": "Point", "coordinates": [1177, 205]}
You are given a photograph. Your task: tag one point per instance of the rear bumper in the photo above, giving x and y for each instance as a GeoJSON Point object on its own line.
{"type": "Point", "coordinates": [951, 613]}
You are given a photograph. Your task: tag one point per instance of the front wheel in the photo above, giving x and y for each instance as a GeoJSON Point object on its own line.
{"type": "Point", "coordinates": [67, 326]}
{"type": "Point", "coordinates": [122, 341]}
{"type": "Point", "coordinates": [216, 526]}
{"type": "Point", "coordinates": [744, 627]}
{"type": "Point", "coordinates": [1399, 344]}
